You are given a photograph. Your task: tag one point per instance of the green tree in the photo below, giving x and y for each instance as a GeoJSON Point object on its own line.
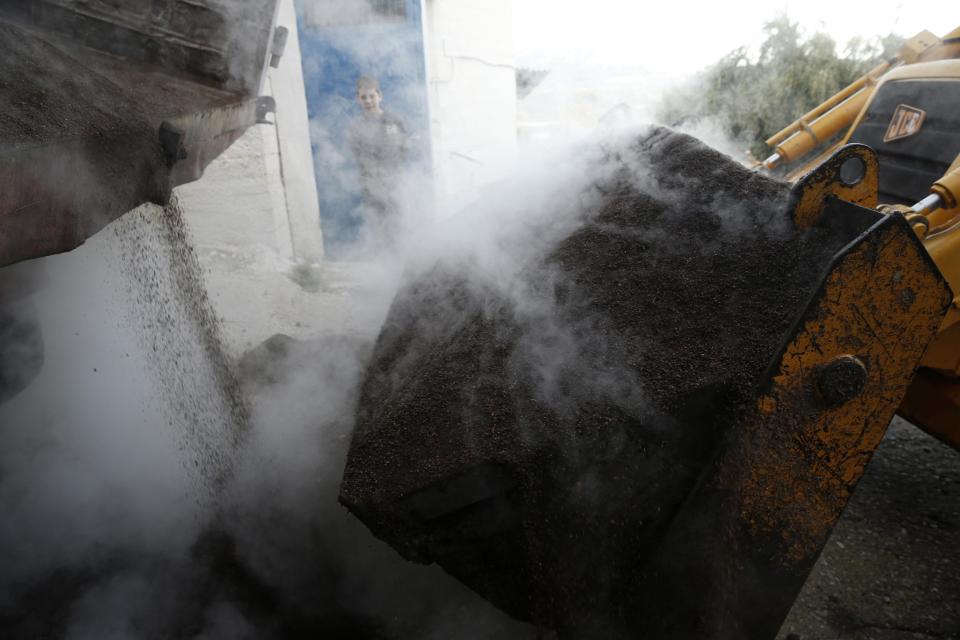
{"type": "Point", "coordinates": [752, 97]}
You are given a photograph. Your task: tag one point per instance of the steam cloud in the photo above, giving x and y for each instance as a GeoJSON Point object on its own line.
{"type": "Point", "coordinates": [143, 497]}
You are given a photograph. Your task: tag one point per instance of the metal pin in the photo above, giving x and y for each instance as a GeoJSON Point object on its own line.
{"type": "Point", "coordinates": [930, 203]}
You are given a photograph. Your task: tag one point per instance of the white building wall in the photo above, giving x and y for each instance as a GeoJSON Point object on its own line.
{"type": "Point", "coordinates": [472, 92]}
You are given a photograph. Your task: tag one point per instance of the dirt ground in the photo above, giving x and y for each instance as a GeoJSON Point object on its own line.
{"type": "Point", "coordinates": [891, 569]}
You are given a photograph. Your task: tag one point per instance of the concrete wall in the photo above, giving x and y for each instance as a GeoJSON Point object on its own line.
{"type": "Point", "coordinates": [256, 204]}
{"type": "Point", "coordinates": [472, 91]}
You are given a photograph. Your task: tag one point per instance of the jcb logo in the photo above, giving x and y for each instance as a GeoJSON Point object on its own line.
{"type": "Point", "coordinates": [906, 121]}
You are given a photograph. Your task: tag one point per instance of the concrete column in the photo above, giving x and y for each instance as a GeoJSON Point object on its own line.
{"type": "Point", "coordinates": [472, 92]}
{"type": "Point", "coordinates": [293, 136]}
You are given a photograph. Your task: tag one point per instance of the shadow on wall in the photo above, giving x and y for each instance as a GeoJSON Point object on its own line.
{"type": "Point", "coordinates": [340, 41]}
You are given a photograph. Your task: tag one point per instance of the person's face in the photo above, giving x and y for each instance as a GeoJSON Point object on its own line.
{"type": "Point", "coordinates": [369, 99]}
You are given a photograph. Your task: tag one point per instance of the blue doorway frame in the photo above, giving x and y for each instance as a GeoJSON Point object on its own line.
{"type": "Point", "coordinates": [385, 40]}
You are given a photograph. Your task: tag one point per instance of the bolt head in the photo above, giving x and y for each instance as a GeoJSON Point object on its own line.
{"type": "Point", "coordinates": [840, 380]}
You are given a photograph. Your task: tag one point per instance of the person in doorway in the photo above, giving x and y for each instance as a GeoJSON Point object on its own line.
{"type": "Point", "coordinates": [379, 141]}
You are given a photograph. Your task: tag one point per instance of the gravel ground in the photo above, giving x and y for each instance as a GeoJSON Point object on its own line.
{"type": "Point", "coordinates": [891, 569]}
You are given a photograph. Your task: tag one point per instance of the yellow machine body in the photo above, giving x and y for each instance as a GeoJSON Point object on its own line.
{"type": "Point", "coordinates": [930, 65]}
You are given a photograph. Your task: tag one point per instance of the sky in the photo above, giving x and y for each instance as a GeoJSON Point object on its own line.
{"type": "Point", "coordinates": [683, 36]}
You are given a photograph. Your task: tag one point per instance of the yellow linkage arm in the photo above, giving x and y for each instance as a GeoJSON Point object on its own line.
{"type": "Point", "coordinates": [841, 110]}
{"type": "Point", "coordinates": [942, 243]}
{"type": "Point", "coordinates": [944, 193]}
{"type": "Point", "coordinates": [823, 122]}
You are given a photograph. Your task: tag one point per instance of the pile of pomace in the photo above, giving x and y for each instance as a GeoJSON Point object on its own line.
{"type": "Point", "coordinates": [536, 451]}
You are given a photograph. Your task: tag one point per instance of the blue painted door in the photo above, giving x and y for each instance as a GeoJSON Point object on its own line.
{"type": "Point", "coordinates": [340, 41]}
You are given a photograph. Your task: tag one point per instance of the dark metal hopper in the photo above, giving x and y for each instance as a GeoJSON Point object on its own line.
{"type": "Point", "coordinates": [108, 105]}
